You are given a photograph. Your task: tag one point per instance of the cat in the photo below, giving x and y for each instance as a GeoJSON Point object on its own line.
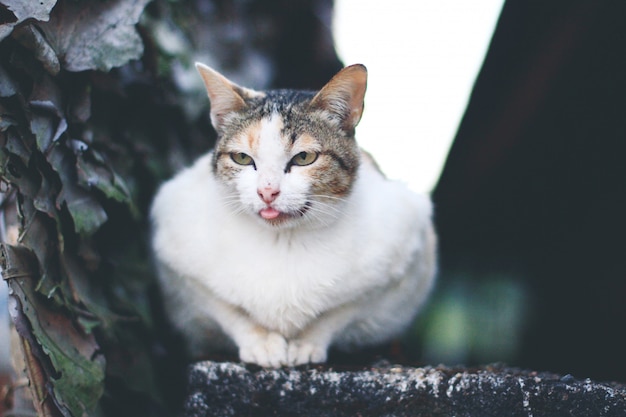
{"type": "Point", "coordinates": [286, 238]}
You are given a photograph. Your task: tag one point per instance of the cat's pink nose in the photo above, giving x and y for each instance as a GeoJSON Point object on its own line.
{"type": "Point", "coordinates": [268, 194]}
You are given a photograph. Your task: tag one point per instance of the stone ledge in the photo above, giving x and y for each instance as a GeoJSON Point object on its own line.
{"type": "Point", "coordinates": [229, 389]}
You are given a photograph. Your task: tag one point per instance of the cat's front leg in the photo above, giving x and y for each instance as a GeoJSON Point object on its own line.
{"type": "Point", "coordinates": [263, 347]}
{"type": "Point", "coordinates": [311, 346]}
{"type": "Point", "coordinates": [302, 351]}
{"type": "Point", "coordinates": [255, 343]}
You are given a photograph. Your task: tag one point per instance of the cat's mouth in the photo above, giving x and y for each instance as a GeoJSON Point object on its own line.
{"type": "Point", "coordinates": [274, 216]}
{"type": "Point", "coordinates": [270, 213]}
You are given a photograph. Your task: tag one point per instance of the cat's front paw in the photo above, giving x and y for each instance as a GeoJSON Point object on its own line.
{"type": "Point", "coordinates": [267, 351]}
{"type": "Point", "coordinates": [301, 352]}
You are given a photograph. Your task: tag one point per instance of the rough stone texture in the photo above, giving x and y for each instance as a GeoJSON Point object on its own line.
{"type": "Point", "coordinates": [229, 389]}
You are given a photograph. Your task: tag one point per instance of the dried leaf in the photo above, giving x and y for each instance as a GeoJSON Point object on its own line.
{"type": "Point", "coordinates": [94, 34]}
{"type": "Point", "coordinates": [45, 200]}
{"type": "Point", "coordinates": [38, 232]}
{"type": "Point", "coordinates": [6, 119]}
{"type": "Point", "coordinates": [17, 173]}
{"type": "Point", "coordinates": [43, 402]}
{"type": "Point", "coordinates": [86, 293]}
{"type": "Point", "coordinates": [30, 37]}
{"type": "Point", "coordinates": [16, 145]}
{"type": "Point", "coordinates": [48, 122]}
{"type": "Point", "coordinates": [19, 10]}
{"type": "Point", "coordinates": [46, 129]}
{"type": "Point", "coordinates": [74, 371]}
{"type": "Point", "coordinates": [74, 355]}
{"type": "Point", "coordinates": [7, 86]}
{"type": "Point", "coordinates": [79, 110]}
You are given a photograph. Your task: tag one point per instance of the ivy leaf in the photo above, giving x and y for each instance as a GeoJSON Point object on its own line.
{"type": "Point", "coordinates": [94, 172]}
{"type": "Point", "coordinates": [31, 38]}
{"type": "Point", "coordinates": [44, 201]}
{"type": "Point", "coordinates": [44, 127]}
{"type": "Point", "coordinates": [16, 145]}
{"type": "Point", "coordinates": [67, 359]}
{"type": "Point", "coordinates": [87, 213]}
{"type": "Point", "coordinates": [47, 122]}
{"type": "Point", "coordinates": [95, 34]}
{"type": "Point", "coordinates": [8, 88]}
{"type": "Point", "coordinates": [16, 11]}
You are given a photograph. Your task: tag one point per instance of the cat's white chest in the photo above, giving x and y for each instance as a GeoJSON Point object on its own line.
{"type": "Point", "coordinates": [283, 281]}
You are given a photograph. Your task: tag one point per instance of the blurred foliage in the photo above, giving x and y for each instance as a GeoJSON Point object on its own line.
{"type": "Point", "coordinates": [91, 120]}
{"type": "Point", "coordinates": [472, 318]}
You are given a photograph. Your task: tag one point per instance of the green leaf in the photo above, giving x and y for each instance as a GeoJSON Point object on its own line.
{"type": "Point", "coordinates": [74, 368]}
{"type": "Point", "coordinates": [94, 172]}
{"type": "Point", "coordinates": [86, 211]}
{"type": "Point", "coordinates": [80, 384]}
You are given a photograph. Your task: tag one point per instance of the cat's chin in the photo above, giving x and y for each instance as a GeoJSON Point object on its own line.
{"type": "Point", "coordinates": [276, 218]}
{"type": "Point", "coordinates": [281, 220]}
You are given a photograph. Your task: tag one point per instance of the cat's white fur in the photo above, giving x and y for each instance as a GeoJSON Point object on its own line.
{"type": "Point", "coordinates": [353, 274]}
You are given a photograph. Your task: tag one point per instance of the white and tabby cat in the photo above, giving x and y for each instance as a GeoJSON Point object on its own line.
{"type": "Point", "coordinates": [286, 238]}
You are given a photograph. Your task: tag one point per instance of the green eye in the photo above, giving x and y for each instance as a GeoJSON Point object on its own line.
{"type": "Point", "coordinates": [304, 158]}
{"type": "Point", "coordinates": [241, 158]}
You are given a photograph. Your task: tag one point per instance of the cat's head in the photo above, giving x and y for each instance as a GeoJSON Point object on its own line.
{"type": "Point", "coordinates": [287, 157]}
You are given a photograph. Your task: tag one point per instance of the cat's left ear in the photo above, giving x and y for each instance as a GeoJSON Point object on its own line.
{"type": "Point", "coordinates": [343, 96]}
{"type": "Point", "coordinates": [225, 96]}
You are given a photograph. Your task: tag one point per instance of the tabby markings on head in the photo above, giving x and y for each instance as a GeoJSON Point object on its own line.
{"type": "Point", "coordinates": [287, 154]}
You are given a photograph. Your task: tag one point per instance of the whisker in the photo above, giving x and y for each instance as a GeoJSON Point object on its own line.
{"type": "Point", "coordinates": [328, 197]}
{"type": "Point", "coordinates": [232, 203]}
{"type": "Point", "coordinates": [322, 213]}
{"type": "Point", "coordinates": [326, 208]}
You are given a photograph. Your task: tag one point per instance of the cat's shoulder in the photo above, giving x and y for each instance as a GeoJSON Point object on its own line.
{"type": "Point", "coordinates": [374, 183]}
{"type": "Point", "coordinates": [391, 203]}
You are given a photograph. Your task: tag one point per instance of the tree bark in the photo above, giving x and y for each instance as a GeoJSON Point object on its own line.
{"type": "Point", "coordinates": [229, 389]}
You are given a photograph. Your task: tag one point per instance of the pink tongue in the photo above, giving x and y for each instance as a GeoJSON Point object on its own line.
{"type": "Point", "coordinates": [269, 213]}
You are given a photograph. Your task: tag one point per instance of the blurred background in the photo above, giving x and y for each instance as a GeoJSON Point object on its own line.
{"type": "Point", "coordinates": [512, 114]}
{"type": "Point", "coordinates": [532, 196]}
{"type": "Point", "coordinates": [530, 199]}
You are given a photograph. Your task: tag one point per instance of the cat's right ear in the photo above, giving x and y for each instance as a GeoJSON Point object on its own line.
{"type": "Point", "coordinates": [225, 96]}
{"type": "Point", "coordinates": [343, 96]}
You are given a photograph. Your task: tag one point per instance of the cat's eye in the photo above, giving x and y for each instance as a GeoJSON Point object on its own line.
{"type": "Point", "coordinates": [241, 158]}
{"type": "Point", "coordinates": [304, 158]}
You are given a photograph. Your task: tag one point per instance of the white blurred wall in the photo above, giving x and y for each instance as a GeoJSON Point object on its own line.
{"type": "Point", "coordinates": [422, 57]}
